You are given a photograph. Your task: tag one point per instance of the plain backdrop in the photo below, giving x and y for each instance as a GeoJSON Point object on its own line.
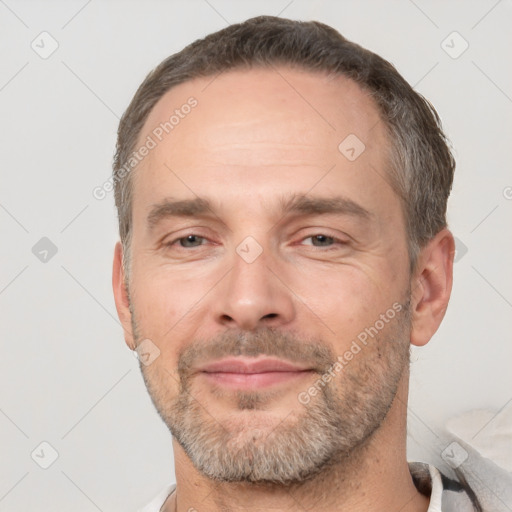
{"type": "Point", "coordinates": [66, 376]}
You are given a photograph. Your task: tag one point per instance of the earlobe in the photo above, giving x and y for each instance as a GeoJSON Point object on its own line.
{"type": "Point", "coordinates": [121, 295]}
{"type": "Point", "coordinates": [431, 286]}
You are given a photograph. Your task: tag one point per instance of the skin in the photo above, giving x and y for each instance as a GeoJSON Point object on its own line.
{"type": "Point", "coordinates": [255, 138]}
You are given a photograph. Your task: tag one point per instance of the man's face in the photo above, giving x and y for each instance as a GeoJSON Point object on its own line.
{"type": "Point", "coordinates": [255, 237]}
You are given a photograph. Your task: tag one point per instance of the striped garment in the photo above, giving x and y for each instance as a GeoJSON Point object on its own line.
{"type": "Point", "coordinates": [446, 495]}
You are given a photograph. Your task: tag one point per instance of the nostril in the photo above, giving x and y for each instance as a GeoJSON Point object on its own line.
{"type": "Point", "coordinates": [270, 315]}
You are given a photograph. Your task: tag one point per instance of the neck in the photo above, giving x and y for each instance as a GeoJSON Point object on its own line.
{"type": "Point", "coordinates": [374, 478]}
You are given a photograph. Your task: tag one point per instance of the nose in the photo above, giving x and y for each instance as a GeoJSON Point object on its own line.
{"type": "Point", "coordinates": [253, 295]}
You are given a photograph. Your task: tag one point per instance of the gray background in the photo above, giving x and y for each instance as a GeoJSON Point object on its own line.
{"type": "Point", "coordinates": [67, 377]}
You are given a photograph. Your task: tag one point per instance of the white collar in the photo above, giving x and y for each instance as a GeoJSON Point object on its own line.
{"type": "Point", "coordinates": [434, 506]}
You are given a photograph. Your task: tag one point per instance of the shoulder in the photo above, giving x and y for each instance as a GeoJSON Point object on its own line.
{"type": "Point", "coordinates": [156, 503]}
{"type": "Point", "coordinates": [446, 494]}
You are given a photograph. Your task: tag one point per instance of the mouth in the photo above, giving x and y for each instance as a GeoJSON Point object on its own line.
{"type": "Point", "coordinates": [248, 373]}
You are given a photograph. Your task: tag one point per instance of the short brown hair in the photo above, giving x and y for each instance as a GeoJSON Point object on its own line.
{"type": "Point", "coordinates": [421, 165]}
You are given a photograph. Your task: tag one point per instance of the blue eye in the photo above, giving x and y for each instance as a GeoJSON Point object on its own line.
{"type": "Point", "coordinates": [321, 240]}
{"type": "Point", "coordinates": [190, 241]}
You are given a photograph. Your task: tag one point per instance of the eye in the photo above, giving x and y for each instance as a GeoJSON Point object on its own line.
{"type": "Point", "coordinates": [321, 240]}
{"type": "Point", "coordinates": [189, 241]}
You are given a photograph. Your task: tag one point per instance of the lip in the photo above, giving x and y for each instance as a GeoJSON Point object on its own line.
{"type": "Point", "coordinates": [250, 366]}
{"type": "Point", "coordinates": [245, 373]}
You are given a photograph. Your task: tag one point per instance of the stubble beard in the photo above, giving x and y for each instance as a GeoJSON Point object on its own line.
{"type": "Point", "coordinates": [252, 445]}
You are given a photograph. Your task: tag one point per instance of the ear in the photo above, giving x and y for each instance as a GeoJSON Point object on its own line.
{"type": "Point", "coordinates": [431, 286]}
{"type": "Point", "coordinates": [121, 296]}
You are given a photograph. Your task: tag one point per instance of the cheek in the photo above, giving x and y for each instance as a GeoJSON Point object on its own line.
{"type": "Point", "coordinates": [161, 297]}
{"type": "Point", "coordinates": [169, 307]}
{"type": "Point", "coordinates": [345, 300]}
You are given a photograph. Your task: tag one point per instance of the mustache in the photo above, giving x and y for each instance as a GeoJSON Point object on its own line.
{"type": "Point", "coordinates": [268, 341]}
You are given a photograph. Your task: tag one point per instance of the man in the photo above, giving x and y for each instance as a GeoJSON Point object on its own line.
{"type": "Point", "coordinates": [282, 196]}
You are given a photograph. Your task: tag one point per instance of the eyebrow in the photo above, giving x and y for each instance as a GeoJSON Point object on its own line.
{"type": "Point", "coordinates": [296, 204]}
{"type": "Point", "coordinates": [311, 205]}
{"type": "Point", "coordinates": [184, 208]}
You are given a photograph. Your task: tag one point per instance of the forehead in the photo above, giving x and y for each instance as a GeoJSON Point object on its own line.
{"type": "Point", "coordinates": [271, 129]}
{"type": "Point", "coordinates": [252, 105]}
